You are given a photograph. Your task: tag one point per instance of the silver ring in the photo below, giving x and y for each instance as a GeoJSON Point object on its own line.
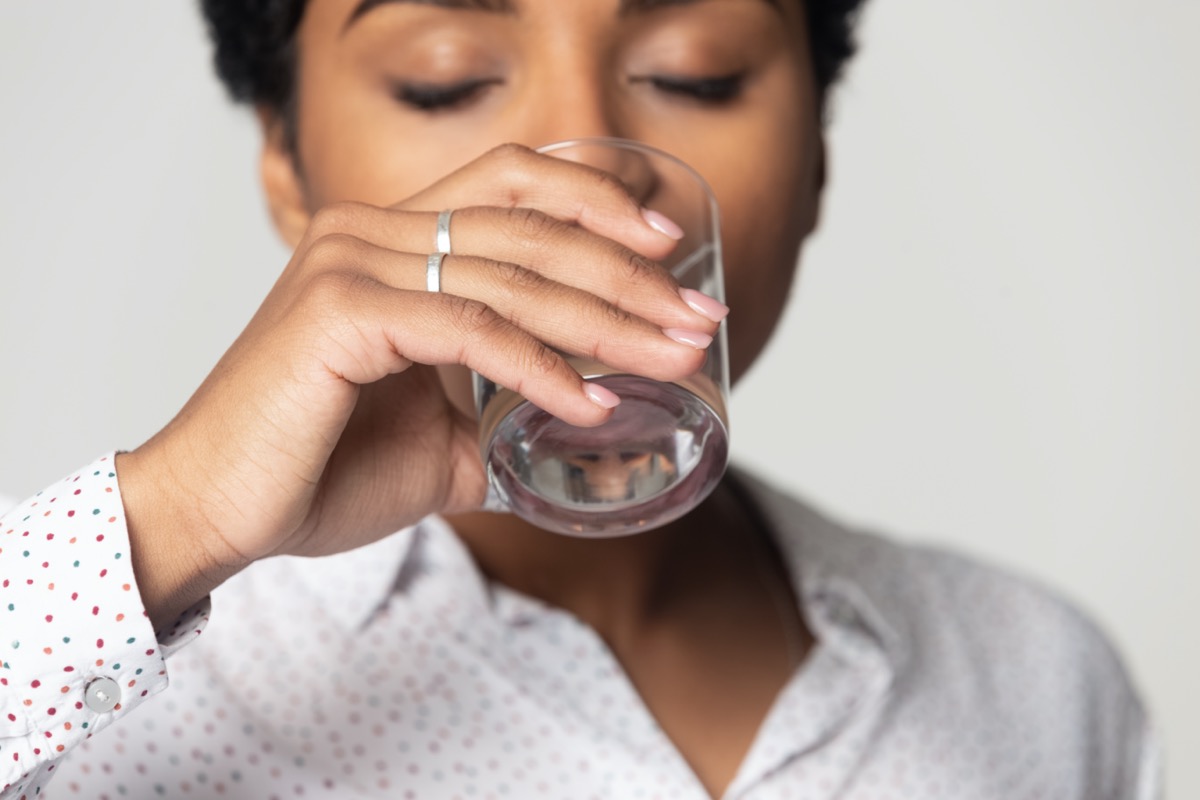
{"type": "Point", "coordinates": [433, 271]}
{"type": "Point", "coordinates": [443, 231]}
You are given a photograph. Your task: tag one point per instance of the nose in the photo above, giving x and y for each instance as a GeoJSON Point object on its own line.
{"type": "Point", "coordinates": [631, 167]}
{"type": "Point", "coordinates": [579, 105]}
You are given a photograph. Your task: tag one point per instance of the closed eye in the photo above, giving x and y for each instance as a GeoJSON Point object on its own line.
{"type": "Point", "coordinates": [715, 90]}
{"type": "Point", "coordinates": [437, 97]}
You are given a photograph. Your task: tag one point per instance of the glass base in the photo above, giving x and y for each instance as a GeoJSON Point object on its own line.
{"type": "Point", "coordinates": [662, 452]}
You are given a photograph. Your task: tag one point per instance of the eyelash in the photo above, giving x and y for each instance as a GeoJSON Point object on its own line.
{"type": "Point", "coordinates": [710, 91]}
{"type": "Point", "coordinates": [436, 97]}
{"type": "Point", "coordinates": [432, 98]}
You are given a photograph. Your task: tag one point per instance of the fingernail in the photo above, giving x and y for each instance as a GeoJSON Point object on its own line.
{"type": "Point", "coordinates": [704, 305]}
{"type": "Point", "coordinates": [695, 339]}
{"type": "Point", "coordinates": [601, 396]}
{"type": "Point", "coordinates": [662, 224]}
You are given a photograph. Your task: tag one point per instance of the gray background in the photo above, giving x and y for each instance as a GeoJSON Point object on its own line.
{"type": "Point", "coordinates": [994, 345]}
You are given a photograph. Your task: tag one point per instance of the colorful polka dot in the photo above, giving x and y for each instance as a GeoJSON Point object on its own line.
{"type": "Point", "coordinates": [398, 670]}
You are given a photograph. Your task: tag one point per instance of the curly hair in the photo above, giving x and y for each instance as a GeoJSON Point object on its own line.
{"type": "Point", "coordinates": [254, 47]}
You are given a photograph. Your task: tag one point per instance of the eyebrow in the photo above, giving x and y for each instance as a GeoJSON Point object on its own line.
{"type": "Point", "coordinates": [625, 8]}
{"type": "Point", "coordinates": [634, 6]}
{"type": "Point", "coordinates": [495, 6]}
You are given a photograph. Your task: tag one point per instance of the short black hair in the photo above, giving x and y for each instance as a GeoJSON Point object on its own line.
{"type": "Point", "coordinates": [254, 47]}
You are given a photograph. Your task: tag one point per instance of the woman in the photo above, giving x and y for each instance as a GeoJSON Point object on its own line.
{"type": "Point", "coordinates": [750, 649]}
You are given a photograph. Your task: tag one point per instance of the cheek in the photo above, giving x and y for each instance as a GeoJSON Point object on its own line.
{"type": "Point", "coordinates": [764, 216]}
{"type": "Point", "coordinates": [761, 262]}
{"type": "Point", "coordinates": [767, 182]}
{"type": "Point", "coordinates": [372, 166]}
{"type": "Point", "coordinates": [357, 144]}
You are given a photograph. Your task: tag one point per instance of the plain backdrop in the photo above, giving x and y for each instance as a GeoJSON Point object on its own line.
{"type": "Point", "coordinates": [993, 346]}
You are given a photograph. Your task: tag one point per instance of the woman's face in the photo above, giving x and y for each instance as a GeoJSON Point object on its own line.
{"type": "Point", "coordinates": [394, 94]}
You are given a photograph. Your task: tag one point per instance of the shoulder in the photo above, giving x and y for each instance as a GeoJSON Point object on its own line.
{"type": "Point", "coordinates": [984, 649]}
{"type": "Point", "coordinates": [1046, 672]}
{"type": "Point", "coordinates": [930, 592]}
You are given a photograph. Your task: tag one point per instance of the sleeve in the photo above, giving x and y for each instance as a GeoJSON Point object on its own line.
{"type": "Point", "coordinates": [77, 650]}
{"type": "Point", "coordinates": [1150, 768]}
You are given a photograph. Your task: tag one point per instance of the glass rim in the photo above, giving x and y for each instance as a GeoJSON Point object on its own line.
{"type": "Point", "coordinates": [634, 144]}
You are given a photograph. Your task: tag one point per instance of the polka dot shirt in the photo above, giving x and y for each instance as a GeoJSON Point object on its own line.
{"type": "Point", "coordinates": [398, 671]}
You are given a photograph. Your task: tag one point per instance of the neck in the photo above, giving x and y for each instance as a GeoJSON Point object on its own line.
{"type": "Point", "coordinates": [619, 586]}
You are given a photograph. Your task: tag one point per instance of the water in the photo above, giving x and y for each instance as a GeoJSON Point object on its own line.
{"type": "Point", "coordinates": [661, 453]}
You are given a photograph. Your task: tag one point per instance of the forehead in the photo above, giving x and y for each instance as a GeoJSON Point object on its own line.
{"type": "Point", "coordinates": [360, 8]}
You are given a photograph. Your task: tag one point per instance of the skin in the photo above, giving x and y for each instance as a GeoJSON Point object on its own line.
{"type": "Point", "coordinates": [342, 413]}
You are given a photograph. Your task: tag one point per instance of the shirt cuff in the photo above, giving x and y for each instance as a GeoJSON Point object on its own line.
{"type": "Point", "coordinates": [78, 650]}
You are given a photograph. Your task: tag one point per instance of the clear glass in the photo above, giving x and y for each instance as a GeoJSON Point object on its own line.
{"type": "Point", "coordinates": [667, 444]}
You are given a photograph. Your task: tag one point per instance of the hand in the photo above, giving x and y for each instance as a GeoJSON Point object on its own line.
{"type": "Point", "coordinates": [326, 425]}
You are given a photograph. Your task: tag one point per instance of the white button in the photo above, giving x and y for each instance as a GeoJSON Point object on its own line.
{"type": "Point", "coordinates": [102, 695]}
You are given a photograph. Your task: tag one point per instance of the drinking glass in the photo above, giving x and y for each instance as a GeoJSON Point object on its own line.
{"type": "Point", "coordinates": [666, 445]}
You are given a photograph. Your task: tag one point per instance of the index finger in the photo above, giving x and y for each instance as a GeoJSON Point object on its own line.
{"type": "Point", "coordinates": [512, 176]}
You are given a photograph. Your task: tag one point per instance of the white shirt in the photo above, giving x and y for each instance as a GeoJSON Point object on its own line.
{"type": "Point", "coordinates": [397, 670]}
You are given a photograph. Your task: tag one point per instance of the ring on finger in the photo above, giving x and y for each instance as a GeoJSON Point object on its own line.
{"type": "Point", "coordinates": [433, 271]}
{"type": "Point", "coordinates": [443, 231]}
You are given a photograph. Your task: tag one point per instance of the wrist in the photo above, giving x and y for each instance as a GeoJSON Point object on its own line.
{"type": "Point", "coordinates": [172, 563]}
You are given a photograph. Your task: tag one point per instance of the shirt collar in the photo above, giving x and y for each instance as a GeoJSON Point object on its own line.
{"type": "Point", "coordinates": [355, 584]}
{"type": "Point", "coordinates": [857, 654]}
{"type": "Point", "coordinates": [838, 574]}
{"type": "Point", "coordinates": [832, 569]}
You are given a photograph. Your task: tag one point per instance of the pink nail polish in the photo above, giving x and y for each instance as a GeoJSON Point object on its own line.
{"type": "Point", "coordinates": [704, 305]}
{"type": "Point", "coordinates": [662, 224]}
{"type": "Point", "coordinates": [601, 396]}
{"type": "Point", "coordinates": [695, 339]}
